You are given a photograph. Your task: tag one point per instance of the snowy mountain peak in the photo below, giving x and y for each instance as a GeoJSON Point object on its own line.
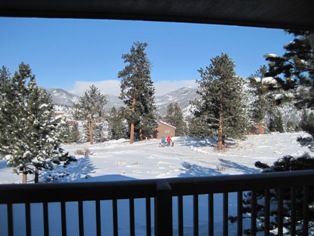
{"type": "Point", "coordinates": [62, 97]}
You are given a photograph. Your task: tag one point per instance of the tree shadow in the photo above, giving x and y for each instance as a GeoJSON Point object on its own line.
{"type": "Point", "coordinates": [109, 178]}
{"type": "Point", "coordinates": [193, 170]}
{"type": "Point", "coordinates": [3, 164]}
{"type": "Point", "coordinates": [196, 142]}
{"type": "Point", "coordinates": [78, 171]}
{"type": "Point", "coordinates": [226, 164]}
{"type": "Point", "coordinates": [74, 171]}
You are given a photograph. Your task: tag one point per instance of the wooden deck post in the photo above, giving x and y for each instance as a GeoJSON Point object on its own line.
{"type": "Point", "coordinates": [163, 209]}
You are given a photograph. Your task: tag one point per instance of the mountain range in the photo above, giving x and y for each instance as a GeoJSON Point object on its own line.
{"type": "Point", "coordinates": [182, 96]}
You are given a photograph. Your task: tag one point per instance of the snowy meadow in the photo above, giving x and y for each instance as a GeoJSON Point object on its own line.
{"type": "Point", "coordinates": [118, 160]}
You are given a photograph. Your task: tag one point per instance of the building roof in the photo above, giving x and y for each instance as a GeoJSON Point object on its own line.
{"type": "Point", "coordinates": [162, 122]}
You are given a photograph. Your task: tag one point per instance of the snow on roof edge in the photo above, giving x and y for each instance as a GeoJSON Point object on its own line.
{"type": "Point", "coordinates": [166, 124]}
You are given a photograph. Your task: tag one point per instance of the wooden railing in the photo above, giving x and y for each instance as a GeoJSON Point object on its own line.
{"type": "Point", "coordinates": [178, 206]}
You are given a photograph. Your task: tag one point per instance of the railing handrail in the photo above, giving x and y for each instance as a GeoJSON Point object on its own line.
{"type": "Point", "coordinates": [11, 193]}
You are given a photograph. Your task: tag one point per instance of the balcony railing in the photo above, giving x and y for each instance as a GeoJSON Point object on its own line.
{"type": "Point", "coordinates": [178, 206]}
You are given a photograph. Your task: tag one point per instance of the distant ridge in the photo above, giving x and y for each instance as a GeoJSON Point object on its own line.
{"type": "Point", "coordinates": [182, 96]}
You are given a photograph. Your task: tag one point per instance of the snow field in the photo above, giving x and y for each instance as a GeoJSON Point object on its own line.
{"type": "Point", "coordinates": [118, 160]}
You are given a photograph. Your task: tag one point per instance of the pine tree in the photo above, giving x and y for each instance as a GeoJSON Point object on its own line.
{"type": "Point", "coordinates": [286, 163]}
{"type": "Point", "coordinates": [169, 117]}
{"type": "Point", "coordinates": [276, 122]}
{"type": "Point", "coordinates": [307, 122]}
{"type": "Point", "coordinates": [199, 127]}
{"type": "Point", "coordinates": [30, 135]}
{"type": "Point", "coordinates": [263, 88]}
{"type": "Point", "coordinates": [71, 132]}
{"type": "Point", "coordinates": [137, 92]}
{"type": "Point", "coordinates": [295, 66]}
{"type": "Point", "coordinates": [174, 117]}
{"type": "Point", "coordinates": [221, 105]}
{"type": "Point", "coordinates": [116, 126]}
{"type": "Point", "coordinates": [90, 108]}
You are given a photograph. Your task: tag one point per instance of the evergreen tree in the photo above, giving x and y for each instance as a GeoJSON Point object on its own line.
{"type": "Point", "coordinates": [90, 108]}
{"type": "Point", "coordinates": [295, 66]}
{"type": "Point", "coordinates": [174, 117]}
{"type": "Point", "coordinates": [260, 104]}
{"type": "Point", "coordinates": [286, 163]}
{"type": "Point", "coordinates": [99, 135]}
{"type": "Point", "coordinates": [71, 133]}
{"type": "Point", "coordinates": [198, 127]}
{"type": "Point", "coordinates": [276, 122]}
{"type": "Point", "coordinates": [169, 117]}
{"type": "Point", "coordinates": [137, 92]}
{"type": "Point", "coordinates": [29, 134]}
{"type": "Point", "coordinates": [307, 122]}
{"type": "Point", "coordinates": [117, 128]}
{"type": "Point", "coordinates": [221, 105]}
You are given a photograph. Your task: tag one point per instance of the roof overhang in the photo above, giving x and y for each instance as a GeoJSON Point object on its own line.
{"type": "Point", "coordinates": [284, 14]}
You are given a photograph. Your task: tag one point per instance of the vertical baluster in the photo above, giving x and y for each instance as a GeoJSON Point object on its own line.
{"type": "Point", "coordinates": [10, 219]}
{"type": "Point", "coordinates": [98, 220]}
{"type": "Point", "coordinates": [305, 210]}
{"type": "Point", "coordinates": [195, 214]}
{"type": "Point", "coordinates": [81, 218]}
{"type": "Point", "coordinates": [240, 209]}
{"type": "Point", "coordinates": [280, 211]}
{"type": "Point", "coordinates": [225, 213]}
{"type": "Point", "coordinates": [28, 219]}
{"type": "Point", "coordinates": [253, 212]}
{"type": "Point", "coordinates": [46, 218]}
{"type": "Point", "coordinates": [115, 216]}
{"type": "Point", "coordinates": [293, 212]}
{"type": "Point", "coordinates": [63, 219]}
{"type": "Point", "coordinates": [180, 215]}
{"type": "Point", "coordinates": [132, 219]}
{"type": "Point", "coordinates": [148, 217]}
{"type": "Point", "coordinates": [267, 212]}
{"type": "Point", "coordinates": [211, 214]}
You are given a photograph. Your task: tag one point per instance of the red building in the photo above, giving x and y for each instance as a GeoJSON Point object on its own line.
{"type": "Point", "coordinates": [164, 130]}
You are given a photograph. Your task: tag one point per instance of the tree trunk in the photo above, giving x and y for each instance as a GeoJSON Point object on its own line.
{"type": "Point", "coordinates": [90, 128]}
{"type": "Point", "coordinates": [141, 134]}
{"type": "Point", "coordinates": [261, 128]}
{"type": "Point", "coordinates": [24, 177]}
{"type": "Point", "coordinates": [220, 138]}
{"type": "Point", "coordinates": [132, 124]}
{"type": "Point", "coordinates": [36, 173]}
{"type": "Point", "coordinates": [132, 133]}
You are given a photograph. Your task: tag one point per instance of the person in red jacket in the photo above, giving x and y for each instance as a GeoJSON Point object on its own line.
{"type": "Point", "coordinates": [168, 141]}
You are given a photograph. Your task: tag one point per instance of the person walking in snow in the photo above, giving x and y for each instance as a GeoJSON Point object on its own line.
{"type": "Point", "coordinates": [163, 141]}
{"type": "Point", "coordinates": [168, 141]}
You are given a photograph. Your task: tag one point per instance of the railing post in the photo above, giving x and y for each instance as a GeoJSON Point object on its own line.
{"type": "Point", "coordinates": [163, 209]}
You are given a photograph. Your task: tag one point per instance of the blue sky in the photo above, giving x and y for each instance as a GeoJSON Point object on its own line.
{"type": "Point", "coordinates": [74, 54]}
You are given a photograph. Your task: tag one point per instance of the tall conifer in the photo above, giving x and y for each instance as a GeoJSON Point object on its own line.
{"type": "Point", "coordinates": [221, 105]}
{"type": "Point", "coordinates": [137, 92]}
{"type": "Point", "coordinates": [29, 132]}
{"type": "Point", "coordinates": [90, 108]}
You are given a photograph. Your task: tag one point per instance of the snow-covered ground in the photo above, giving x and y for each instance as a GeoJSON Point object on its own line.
{"type": "Point", "coordinates": [118, 160]}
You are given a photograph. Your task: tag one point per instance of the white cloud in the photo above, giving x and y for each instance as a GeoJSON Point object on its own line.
{"type": "Point", "coordinates": [112, 87]}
